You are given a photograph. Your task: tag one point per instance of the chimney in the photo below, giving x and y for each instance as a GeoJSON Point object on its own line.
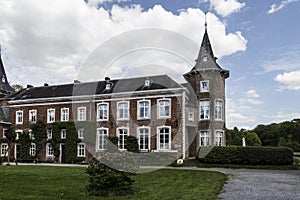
{"type": "Point", "coordinates": [46, 84]}
{"type": "Point", "coordinates": [29, 86]}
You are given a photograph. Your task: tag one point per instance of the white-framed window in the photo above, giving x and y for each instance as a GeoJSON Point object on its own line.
{"type": "Point", "coordinates": [80, 132]}
{"type": "Point", "coordinates": [4, 129]}
{"type": "Point", "coordinates": [204, 86]}
{"type": "Point", "coordinates": [81, 113]}
{"type": "Point", "coordinates": [219, 110]}
{"type": "Point", "coordinates": [144, 138]}
{"type": "Point", "coordinates": [81, 150]}
{"type": "Point", "coordinates": [32, 149]}
{"type": "Point", "coordinates": [32, 116]}
{"type": "Point", "coordinates": [164, 138]}
{"type": "Point", "coordinates": [204, 112]}
{"type": "Point", "coordinates": [4, 148]}
{"type": "Point", "coordinates": [103, 112]}
{"type": "Point", "coordinates": [204, 138]}
{"type": "Point", "coordinates": [164, 108]}
{"type": "Point", "coordinates": [49, 134]}
{"type": "Point", "coordinates": [19, 117]}
{"type": "Point", "coordinates": [18, 133]}
{"type": "Point", "coordinates": [50, 115]}
{"type": "Point", "coordinates": [102, 134]}
{"type": "Point", "coordinates": [64, 114]}
{"type": "Point", "coordinates": [31, 134]}
{"type": "Point", "coordinates": [191, 116]}
{"type": "Point", "coordinates": [49, 150]}
{"type": "Point", "coordinates": [63, 133]}
{"type": "Point", "coordinates": [144, 109]}
{"type": "Point", "coordinates": [122, 134]}
{"type": "Point", "coordinates": [219, 138]}
{"type": "Point", "coordinates": [123, 110]}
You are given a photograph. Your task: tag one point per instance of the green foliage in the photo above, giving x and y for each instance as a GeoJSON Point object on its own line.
{"type": "Point", "coordinates": [114, 140]}
{"type": "Point", "coordinates": [17, 87]}
{"type": "Point", "coordinates": [234, 137]}
{"type": "Point", "coordinates": [282, 134]}
{"type": "Point", "coordinates": [39, 131]}
{"type": "Point", "coordinates": [252, 139]}
{"type": "Point", "coordinates": [132, 144]}
{"type": "Point", "coordinates": [25, 142]}
{"type": "Point", "coordinates": [106, 181]}
{"type": "Point", "coordinates": [70, 141]}
{"type": "Point", "coordinates": [249, 155]}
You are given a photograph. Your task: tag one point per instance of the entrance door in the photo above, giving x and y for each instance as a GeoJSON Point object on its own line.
{"type": "Point", "coordinates": [62, 153]}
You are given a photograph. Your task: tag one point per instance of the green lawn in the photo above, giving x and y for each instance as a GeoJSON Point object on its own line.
{"type": "Point", "coordinates": [39, 182]}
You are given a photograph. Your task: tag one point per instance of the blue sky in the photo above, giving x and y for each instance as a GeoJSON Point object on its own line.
{"type": "Point", "coordinates": [258, 41]}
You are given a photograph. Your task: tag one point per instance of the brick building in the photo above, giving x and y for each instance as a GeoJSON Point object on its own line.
{"type": "Point", "coordinates": [163, 115]}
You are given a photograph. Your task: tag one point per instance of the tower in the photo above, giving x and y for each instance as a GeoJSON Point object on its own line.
{"type": "Point", "coordinates": [207, 80]}
{"type": "Point", "coordinates": [5, 88]}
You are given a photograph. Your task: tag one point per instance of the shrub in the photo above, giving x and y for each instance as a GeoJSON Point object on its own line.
{"type": "Point", "coordinates": [249, 155]}
{"type": "Point", "coordinates": [106, 181]}
{"type": "Point", "coordinates": [132, 144]}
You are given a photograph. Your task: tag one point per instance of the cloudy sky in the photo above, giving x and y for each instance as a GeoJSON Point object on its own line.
{"type": "Point", "coordinates": [59, 41]}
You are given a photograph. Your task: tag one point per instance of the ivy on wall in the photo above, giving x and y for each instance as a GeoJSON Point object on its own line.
{"type": "Point", "coordinates": [24, 142]}
{"type": "Point", "coordinates": [40, 135]}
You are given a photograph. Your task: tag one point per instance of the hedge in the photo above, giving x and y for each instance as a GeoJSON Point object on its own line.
{"type": "Point", "coordinates": [248, 155]}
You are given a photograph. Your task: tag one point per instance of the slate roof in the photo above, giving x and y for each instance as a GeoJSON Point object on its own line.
{"type": "Point", "coordinates": [4, 85]}
{"type": "Point", "coordinates": [211, 61]}
{"type": "Point", "coordinates": [96, 88]}
{"type": "Point", "coordinates": [3, 117]}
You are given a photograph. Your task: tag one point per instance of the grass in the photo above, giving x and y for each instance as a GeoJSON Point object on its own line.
{"type": "Point", "coordinates": [41, 182]}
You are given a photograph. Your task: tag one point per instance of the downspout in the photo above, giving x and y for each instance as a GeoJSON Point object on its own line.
{"type": "Point", "coordinates": [183, 124]}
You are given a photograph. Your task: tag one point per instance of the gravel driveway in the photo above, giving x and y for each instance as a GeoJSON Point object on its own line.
{"type": "Point", "coordinates": [261, 184]}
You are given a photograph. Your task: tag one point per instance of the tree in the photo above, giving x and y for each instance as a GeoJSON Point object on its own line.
{"type": "Point", "coordinates": [252, 139]}
{"type": "Point", "coordinates": [17, 87]}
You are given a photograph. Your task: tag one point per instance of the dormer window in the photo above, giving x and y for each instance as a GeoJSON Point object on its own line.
{"type": "Point", "coordinates": [108, 83]}
{"type": "Point", "coordinates": [147, 82]}
{"type": "Point", "coordinates": [204, 58]}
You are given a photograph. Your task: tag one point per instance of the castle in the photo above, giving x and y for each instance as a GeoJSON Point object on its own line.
{"type": "Point", "coordinates": [163, 115]}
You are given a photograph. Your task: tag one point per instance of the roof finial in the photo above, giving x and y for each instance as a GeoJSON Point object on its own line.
{"type": "Point", "coordinates": [205, 22]}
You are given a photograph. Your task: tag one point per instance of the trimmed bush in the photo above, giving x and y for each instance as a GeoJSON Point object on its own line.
{"type": "Point", "coordinates": [106, 181]}
{"type": "Point", "coordinates": [249, 155]}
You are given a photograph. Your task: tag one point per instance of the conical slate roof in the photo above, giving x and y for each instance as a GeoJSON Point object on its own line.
{"type": "Point", "coordinates": [206, 59]}
{"type": "Point", "coordinates": [4, 85]}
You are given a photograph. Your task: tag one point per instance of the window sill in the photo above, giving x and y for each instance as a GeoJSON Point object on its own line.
{"type": "Point", "coordinates": [167, 151]}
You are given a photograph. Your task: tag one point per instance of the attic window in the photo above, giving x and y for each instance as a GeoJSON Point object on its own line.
{"type": "Point", "coordinates": [147, 82]}
{"type": "Point", "coordinates": [204, 58]}
{"type": "Point", "coordinates": [107, 87]}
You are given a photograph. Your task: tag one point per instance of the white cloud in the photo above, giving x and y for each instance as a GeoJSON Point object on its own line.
{"type": "Point", "coordinates": [95, 3]}
{"type": "Point", "coordinates": [274, 7]}
{"type": "Point", "coordinates": [226, 7]}
{"type": "Point", "coordinates": [252, 93]}
{"type": "Point", "coordinates": [280, 117]}
{"type": "Point", "coordinates": [47, 41]}
{"type": "Point", "coordinates": [289, 80]}
{"type": "Point", "coordinates": [250, 101]}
